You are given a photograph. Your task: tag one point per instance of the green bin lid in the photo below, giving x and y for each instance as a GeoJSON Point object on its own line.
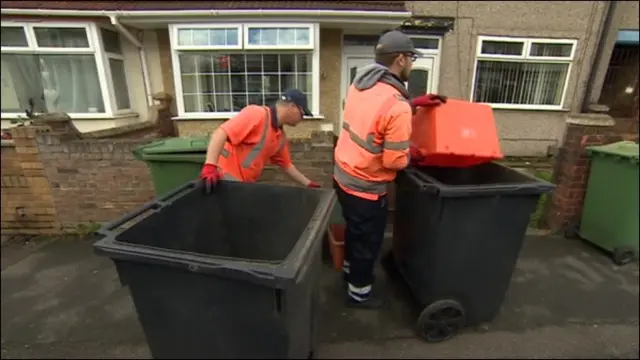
{"type": "Point", "coordinates": [627, 150]}
{"type": "Point", "coordinates": [176, 146]}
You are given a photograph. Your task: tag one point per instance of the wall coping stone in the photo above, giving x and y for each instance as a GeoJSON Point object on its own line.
{"type": "Point", "coordinates": [590, 119]}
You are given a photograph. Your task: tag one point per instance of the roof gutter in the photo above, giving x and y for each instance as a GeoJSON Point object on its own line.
{"type": "Point", "coordinates": [143, 57]}
{"type": "Point", "coordinates": [249, 13]}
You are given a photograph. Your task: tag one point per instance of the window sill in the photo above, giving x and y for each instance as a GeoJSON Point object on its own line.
{"type": "Point", "coordinates": [528, 108]}
{"type": "Point", "coordinates": [9, 116]}
{"type": "Point", "coordinates": [228, 116]}
{"type": "Point", "coordinates": [8, 143]}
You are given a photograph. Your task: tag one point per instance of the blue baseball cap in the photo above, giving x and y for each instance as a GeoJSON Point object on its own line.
{"type": "Point", "coordinates": [297, 97]}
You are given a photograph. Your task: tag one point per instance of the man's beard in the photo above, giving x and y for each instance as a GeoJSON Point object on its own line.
{"type": "Point", "coordinates": [404, 75]}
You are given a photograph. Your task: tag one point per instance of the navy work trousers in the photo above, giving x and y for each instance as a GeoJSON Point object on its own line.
{"type": "Point", "coordinates": [366, 222]}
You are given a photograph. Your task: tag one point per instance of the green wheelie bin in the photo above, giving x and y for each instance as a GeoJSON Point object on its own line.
{"type": "Point", "coordinates": [173, 162]}
{"type": "Point", "coordinates": [610, 212]}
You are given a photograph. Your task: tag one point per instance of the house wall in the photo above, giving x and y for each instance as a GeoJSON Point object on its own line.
{"type": "Point", "coordinates": [133, 69]}
{"type": "Point", "coordinates": [522, 132]}
{"type": "Point", "coordinates": [625, 17]}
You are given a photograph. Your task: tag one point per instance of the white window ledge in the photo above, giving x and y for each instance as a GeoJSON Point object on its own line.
{"type": "Point", "coordinates": [527, 107]}
{"type": "Point", "coordinates": [228, 116]}
{"type": "Point", "coordinates": [8, 116]}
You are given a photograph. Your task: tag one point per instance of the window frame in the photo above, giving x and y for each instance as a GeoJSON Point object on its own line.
{"type": "Point", "coordinates": [312, 48]}
{"type": "Point", "coordinates": [247, 27]}
{"type": "Point", "coordinates": [524, 57]}
{"type": "Point", "coordinates": [95, 48]}
{"type": "Point", "coordinates": [175, 45]}
{"type": "Point", "coordinates": [107, 68]}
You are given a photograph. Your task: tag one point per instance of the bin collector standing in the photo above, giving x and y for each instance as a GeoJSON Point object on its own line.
{"type": "Point", "coordinates": [241, 147]}
{"type": "Point", "coordinates": [372, 147]}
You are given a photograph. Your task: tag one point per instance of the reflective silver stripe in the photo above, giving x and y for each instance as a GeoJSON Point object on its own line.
{"type": "Point", "coordinates": [228, 177]}
{"type": "Point", "coordinates": [353, 183]}
{"type": "Point", "coordinates": [255, 151]}
{"type": "Point", "coordinates": [224, 153]}
{"type": "Point", "coordinates": [368, 144]}
{"type": "Point", "coordinates": [396, 145]}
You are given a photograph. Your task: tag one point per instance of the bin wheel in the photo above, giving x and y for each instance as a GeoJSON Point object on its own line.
{"type": "Point", "coordinates": [441, 320]}
{"type": "Point", "coordinates": [623, 255]}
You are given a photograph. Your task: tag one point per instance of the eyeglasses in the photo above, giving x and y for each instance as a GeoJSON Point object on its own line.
{"type": "Point", "coordinates": [413, 57]}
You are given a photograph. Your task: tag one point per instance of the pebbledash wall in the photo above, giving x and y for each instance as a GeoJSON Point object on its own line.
{"type": "Point", "coordinates": [55, 180]}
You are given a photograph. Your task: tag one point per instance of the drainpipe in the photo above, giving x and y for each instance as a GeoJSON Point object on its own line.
{"type": "Point", "coordinates": [606, 25]}
{"type": "Point", "coordinates": [143, 57]}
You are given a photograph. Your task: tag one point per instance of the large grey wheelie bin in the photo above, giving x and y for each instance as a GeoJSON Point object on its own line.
{"type": "Point", "coordinates": [231, 275]}
{"type": "Point", "coordinates": [457, 236]}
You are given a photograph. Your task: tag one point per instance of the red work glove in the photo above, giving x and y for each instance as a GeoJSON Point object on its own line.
{"type": "Point", "coordinates": [313, 185]}
{"type": "Point", "coordinates": [209, 176]}
{"type": "Point", "coordinates": [428, 100]}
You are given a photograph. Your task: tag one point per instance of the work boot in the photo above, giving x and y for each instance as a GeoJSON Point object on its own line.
{"type": "Point", "coordinates": [372, 303]}
{"type": "Point", "coordinates": [345, 282]}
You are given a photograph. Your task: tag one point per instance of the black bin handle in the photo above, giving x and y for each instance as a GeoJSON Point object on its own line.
{"type": "Point", "coordinates": [155, 205]}
{"type": "Point", "coordinates": [425, 184]}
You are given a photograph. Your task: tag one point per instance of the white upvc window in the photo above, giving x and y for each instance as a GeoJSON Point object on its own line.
{"type": "Point", "coordinates": [522, 73]}
{"type": "Point", "coordinates": [75, 68]}
{"type": "Point", "coordinates": [221, 68]}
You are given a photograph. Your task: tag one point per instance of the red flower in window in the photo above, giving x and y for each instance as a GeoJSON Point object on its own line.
{"type": "Point", "coordinates": [223, 62]}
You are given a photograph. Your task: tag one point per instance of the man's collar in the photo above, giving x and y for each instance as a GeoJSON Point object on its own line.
{"type": "Point", "coordinates": [397, 77]}
{"type": "Point", "coordinates": [274, 118]}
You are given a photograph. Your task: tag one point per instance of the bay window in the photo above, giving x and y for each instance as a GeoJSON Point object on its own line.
{"type": "Point", "coordinates": [73, 68]}
{"type": "Point", "coordinates": [221, 68]}
{"type": "Point", "coordinates": [522, 73]}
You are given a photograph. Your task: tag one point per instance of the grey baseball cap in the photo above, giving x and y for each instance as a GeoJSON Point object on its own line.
{"type": "Point", "coordinates": [395, 42]}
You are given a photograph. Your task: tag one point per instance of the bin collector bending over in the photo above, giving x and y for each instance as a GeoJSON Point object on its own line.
{"type": "Point", "coordinates": [373, 146]}
{"type": "Point", "coordinates": [241, 147]}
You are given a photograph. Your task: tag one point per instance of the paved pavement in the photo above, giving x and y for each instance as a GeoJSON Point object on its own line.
{"type": "Point", "coordinates": [566, 300]}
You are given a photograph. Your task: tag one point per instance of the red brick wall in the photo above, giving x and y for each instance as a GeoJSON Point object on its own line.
{"type": "Point", "coordinates": [313, 157]}
{"type": "Point", "coordinates": [60, 180]}
{"type": "Point", "coordinates": [25, 187]}
{"type": "Point", "coordinates": [94, 180]}
{"type": "Point", "coordinates": [572, 164]}
{"type": "Point", "coordinates": [63, 181]}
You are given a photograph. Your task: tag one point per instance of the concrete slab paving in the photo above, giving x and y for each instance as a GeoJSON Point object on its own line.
{"type": "Point", "coordinates": [566, 300]}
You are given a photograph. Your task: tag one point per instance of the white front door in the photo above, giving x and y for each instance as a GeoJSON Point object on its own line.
{"type": "Point", "coordinates": [353, 64]}
{"type": "Point", "coordinates": [424, 79]}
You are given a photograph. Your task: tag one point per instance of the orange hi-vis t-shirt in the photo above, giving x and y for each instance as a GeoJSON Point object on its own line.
{"type": "Point", "coordinates": [253, 139]}
{"type": "Point", "coordinates": [374, 140]}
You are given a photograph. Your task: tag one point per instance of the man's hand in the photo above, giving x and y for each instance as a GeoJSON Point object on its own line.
{"type": "Point", "coordinates": [313, 185]}
{"type": "Point", "coordinates": [209, 177]}
{"type": "Point", "coordinates": [428, 100]}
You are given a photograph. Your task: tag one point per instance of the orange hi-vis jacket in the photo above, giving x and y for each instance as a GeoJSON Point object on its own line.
{"type": "Point", "coordinates": [374, 140]}
{"type": "Point", "coordinates": [253, 139]}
